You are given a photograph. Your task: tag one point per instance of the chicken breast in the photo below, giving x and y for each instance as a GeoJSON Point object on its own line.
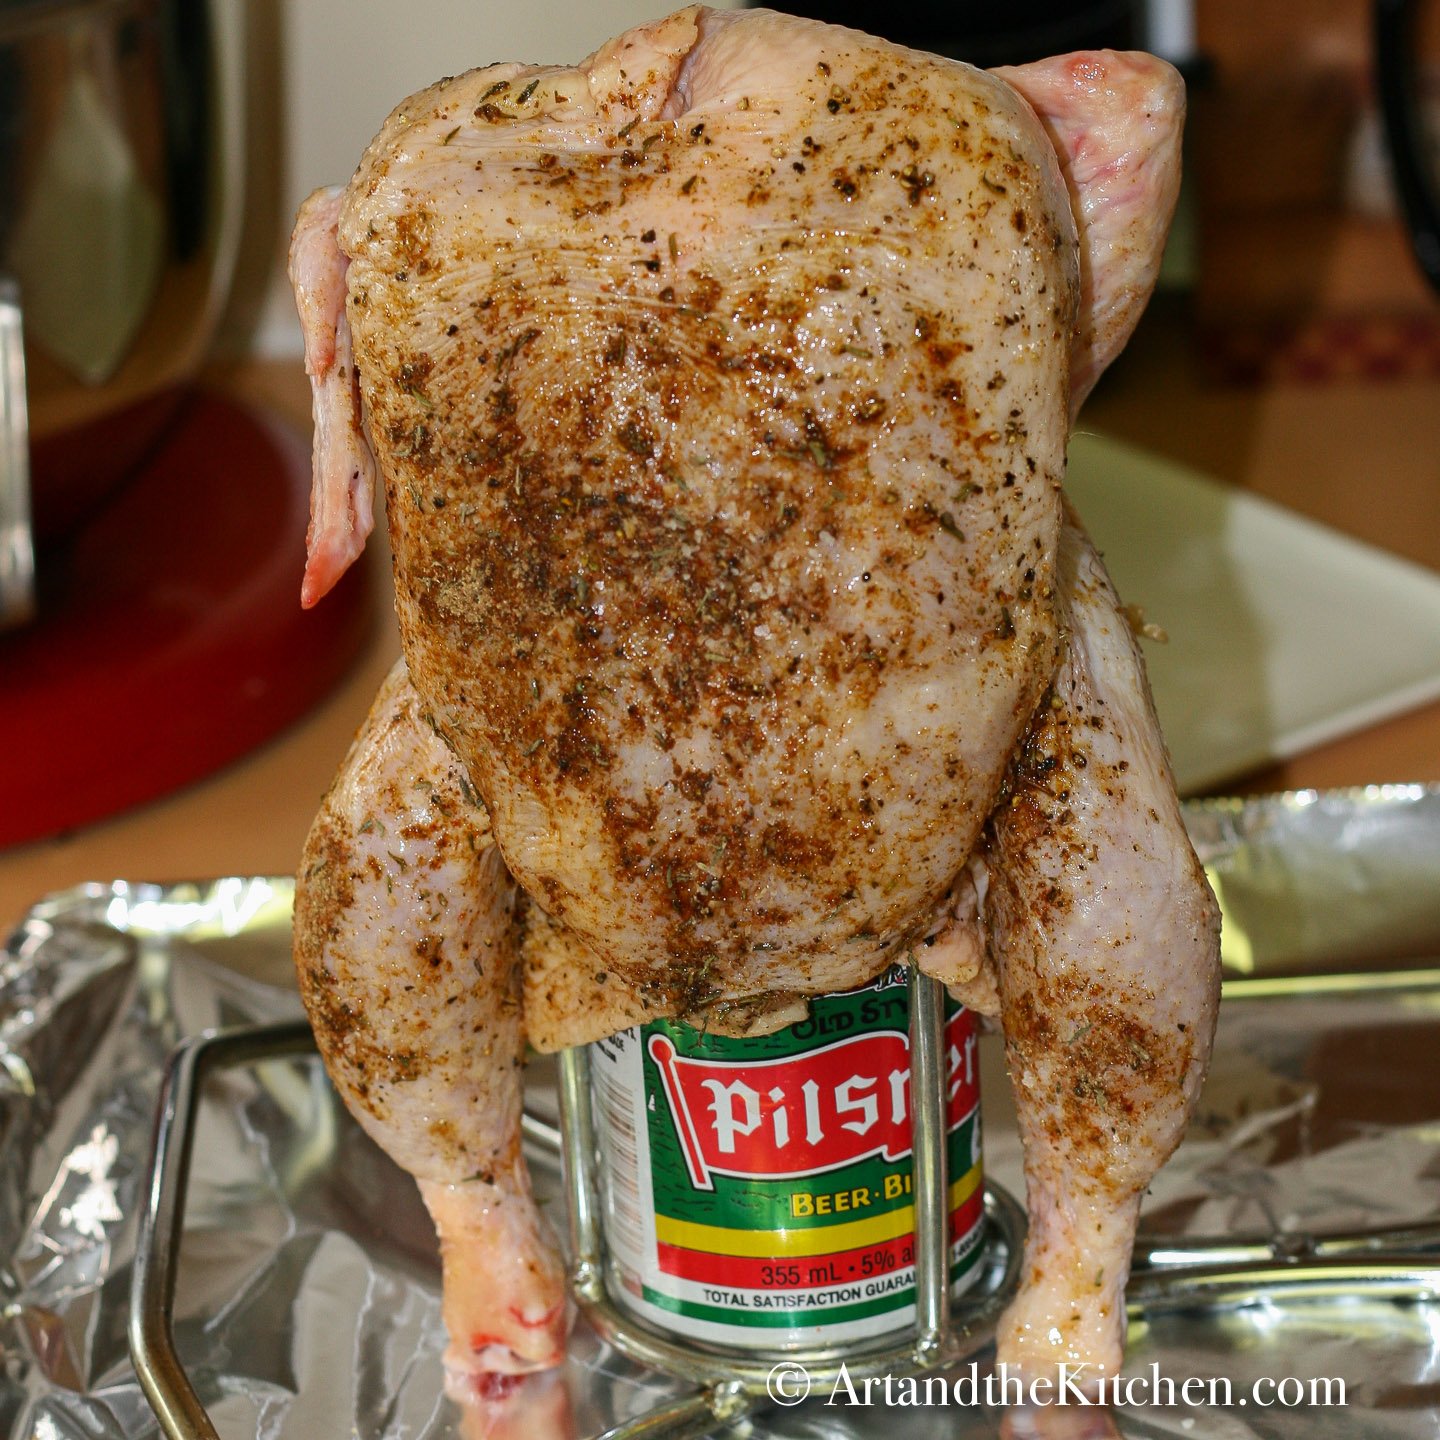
{"type": "Point", "coordinates": [731, 587]}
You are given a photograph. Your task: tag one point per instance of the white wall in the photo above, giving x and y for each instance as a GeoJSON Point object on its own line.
{"type": "Point", "coordinates": [340, 65]}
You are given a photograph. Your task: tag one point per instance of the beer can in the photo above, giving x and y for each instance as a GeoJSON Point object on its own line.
{"type": "Point", "coordinates": [759, 1192]}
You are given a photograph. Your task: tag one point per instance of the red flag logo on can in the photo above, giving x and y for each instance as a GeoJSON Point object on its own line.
{"type": "Point", "coordinates": [804, 1114]}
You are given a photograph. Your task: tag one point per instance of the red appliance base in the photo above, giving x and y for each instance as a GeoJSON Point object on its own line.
{"type": "Point", "coordinates": [170, 638]}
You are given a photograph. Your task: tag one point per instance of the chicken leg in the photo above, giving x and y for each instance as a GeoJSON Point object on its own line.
{"type": "Point", "coordinates": [1105, 934]}
{"type": "Point", "coordinates": [408, 963]}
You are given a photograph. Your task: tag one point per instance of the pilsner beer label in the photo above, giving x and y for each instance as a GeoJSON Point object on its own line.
{"type": "Point", "coordinates": [759, 1192]}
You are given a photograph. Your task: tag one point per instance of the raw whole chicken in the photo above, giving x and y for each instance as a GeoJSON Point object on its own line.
{"type": "Point", "coordinates": [720, 388]}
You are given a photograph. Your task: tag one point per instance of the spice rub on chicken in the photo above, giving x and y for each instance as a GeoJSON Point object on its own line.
{"type": "Point", "coordinates": [720, 387]}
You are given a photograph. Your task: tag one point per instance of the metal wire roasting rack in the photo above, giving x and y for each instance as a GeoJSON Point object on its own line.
{"type": "Point", "coordinates": [1189, 1273]}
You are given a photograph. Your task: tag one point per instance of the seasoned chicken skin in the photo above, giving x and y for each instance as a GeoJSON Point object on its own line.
{"type": "Point", "coordinates": [408, 963]}
{"type": "Point", "coordinates": [725, 518]}
{"type": "Point", "coordinates": [1105, 937]}
{"type": "Point", "coordinates": [720, 388]}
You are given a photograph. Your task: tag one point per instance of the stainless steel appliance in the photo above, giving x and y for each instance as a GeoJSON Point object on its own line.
{"type": "Point", "coordinates": [120, 197]}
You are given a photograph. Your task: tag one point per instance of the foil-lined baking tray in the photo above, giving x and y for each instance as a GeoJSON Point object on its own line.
{"type": "Point", "coordinates": [307, 1302]}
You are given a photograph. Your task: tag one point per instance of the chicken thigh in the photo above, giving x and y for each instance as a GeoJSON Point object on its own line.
{"type": "Point", "coordinates": [720, 387]}
{"type": "Point", "coordinates": [1104, 933]}
{"type": "Point", "coordinates": [409, 968]}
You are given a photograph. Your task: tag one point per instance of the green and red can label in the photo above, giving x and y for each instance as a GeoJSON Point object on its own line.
{"type": "Point", "coordinates": [759, 1191]}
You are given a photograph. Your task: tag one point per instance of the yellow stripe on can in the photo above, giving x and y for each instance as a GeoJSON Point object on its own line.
{"type": "Point", "coordinates": [815, 1240]}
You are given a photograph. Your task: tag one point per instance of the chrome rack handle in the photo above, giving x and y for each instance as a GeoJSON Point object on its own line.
{"type": "Point", "coordinates": [157, 1247]}
{"type": "Point", "coordinates": [1229, 1286]}
{"type": "Point", "coordinates": [1170, 1252]}
{"type": "Point", "coordinates": [928, 1144]}
{"type": "Point", "coordinates": [577, 1154]}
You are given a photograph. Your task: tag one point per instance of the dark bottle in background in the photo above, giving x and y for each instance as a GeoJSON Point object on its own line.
{"type": "Point", "coordinates": [985, 33]}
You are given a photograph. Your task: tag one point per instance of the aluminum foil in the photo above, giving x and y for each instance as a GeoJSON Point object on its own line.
{"type": "Point", "coordinates": [308, 1305]}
